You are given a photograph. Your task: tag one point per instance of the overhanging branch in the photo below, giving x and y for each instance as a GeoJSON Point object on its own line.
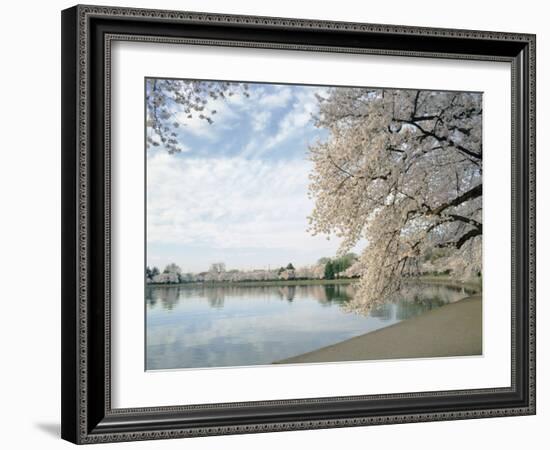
{"type": "Point", "coordinates": [463, 239]}
{"type": "Point", "coordinates": [468, 195]}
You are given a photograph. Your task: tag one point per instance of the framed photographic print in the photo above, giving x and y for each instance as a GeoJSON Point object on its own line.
{"type": "Point", "coordinates": [280, 224]}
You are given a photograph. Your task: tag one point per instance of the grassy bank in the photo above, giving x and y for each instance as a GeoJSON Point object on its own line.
{"type": "Point", "coordinates": [452, 330]}
{"type": "Point", "coordinates": [258, 283]}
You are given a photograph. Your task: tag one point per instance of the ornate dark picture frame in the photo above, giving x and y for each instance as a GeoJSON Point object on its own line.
{"type": "Point", "coordinates": [87, 34]}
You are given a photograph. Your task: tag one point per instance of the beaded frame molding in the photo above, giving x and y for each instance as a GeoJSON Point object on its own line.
{"type": "Point", "coordinates": [87, 35]}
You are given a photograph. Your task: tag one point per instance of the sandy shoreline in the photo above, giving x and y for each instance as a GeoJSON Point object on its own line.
{"type": "Point", "coordinates": [452, 330]}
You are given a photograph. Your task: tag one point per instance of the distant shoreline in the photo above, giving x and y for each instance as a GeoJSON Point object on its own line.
{"type": "Point", "coordinates": [257, 283]}
{"type": "Point", "coordinates": [431, 279]}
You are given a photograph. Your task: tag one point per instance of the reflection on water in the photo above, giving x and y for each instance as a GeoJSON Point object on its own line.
{"type": "Point", "coordinates": [200, 326]}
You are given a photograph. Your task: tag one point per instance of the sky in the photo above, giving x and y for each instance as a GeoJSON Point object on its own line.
{"type": "Point", "coordinates": [237, 192]}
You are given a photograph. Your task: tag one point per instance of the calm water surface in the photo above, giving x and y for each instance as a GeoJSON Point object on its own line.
{"type": "Point", "coordinates": [196, 326]}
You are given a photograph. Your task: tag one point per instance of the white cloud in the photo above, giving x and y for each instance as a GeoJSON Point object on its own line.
{"type": "Point", "coordinates": [295, 121]}
{"type": "Point", "coordinates": [243, 208]}
{"type": "Point", "coordinates": [260, 120]}
{"type": "Point", "coordinates": [277, 99]}
{"type": "Point", "coordinates": [229, 203]}
{"type": "Point", "coordinates": [196, 126]}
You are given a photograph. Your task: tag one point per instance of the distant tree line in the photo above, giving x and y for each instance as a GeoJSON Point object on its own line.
{"type": "Point", "coordinates": [337, 267]}
{"type": "Point", "coordinates": [326, 268]}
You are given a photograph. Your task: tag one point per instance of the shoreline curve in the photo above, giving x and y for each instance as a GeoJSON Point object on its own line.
{"type": "Point", "coordinates": [452, 330]}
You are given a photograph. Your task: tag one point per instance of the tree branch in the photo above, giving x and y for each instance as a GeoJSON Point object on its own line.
{"type": "Point", "coordinates": [463, 239]}
{"type": "Point", "coordinates": [431, 134]}
{"type": "Point", "coordinates": [467, 220]}
{"type": "Point", "coordinates": [468, 195]}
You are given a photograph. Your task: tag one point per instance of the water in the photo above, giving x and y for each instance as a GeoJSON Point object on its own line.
{"type": "Point", "coordinates": [197, 326]}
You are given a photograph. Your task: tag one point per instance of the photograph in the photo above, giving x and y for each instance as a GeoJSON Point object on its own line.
{"type": "Point", "coordinates": [301, 224]}
{"type": "Point", "coordinates": [318, 217]}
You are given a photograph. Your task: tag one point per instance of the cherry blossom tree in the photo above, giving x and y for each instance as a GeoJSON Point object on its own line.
{"type": "Point", "coordinates": [171, 274]}
{"type": "Point", "coordinates": [171, 102]}
{"type": "Point", "coordinates": [402, 170]}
